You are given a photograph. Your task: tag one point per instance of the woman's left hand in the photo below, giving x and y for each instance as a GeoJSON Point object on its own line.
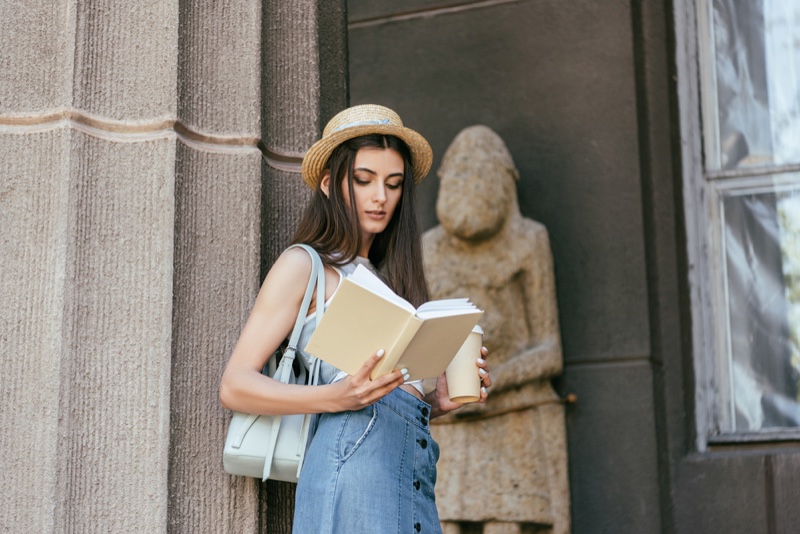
{"type": "Point", "coordinates": [439, 398]}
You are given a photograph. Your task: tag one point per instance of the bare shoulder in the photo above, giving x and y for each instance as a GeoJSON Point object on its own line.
{"type": "Point", "coordinates": [288, 276]}
{"type": "Point", "coordinates": [293, 259]}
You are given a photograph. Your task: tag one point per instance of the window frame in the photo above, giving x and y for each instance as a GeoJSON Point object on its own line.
{"type": "Point", "coordinates": [704, 245]}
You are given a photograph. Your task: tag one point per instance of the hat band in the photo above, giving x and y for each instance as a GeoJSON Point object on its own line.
{"type": "Point", "coordinates": [361, 123]}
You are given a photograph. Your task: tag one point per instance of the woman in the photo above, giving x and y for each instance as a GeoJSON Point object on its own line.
{"type": "Point", "coordinates": [371, 465]}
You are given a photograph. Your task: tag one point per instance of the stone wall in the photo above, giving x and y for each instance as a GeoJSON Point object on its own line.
{"type": "Point", "coordinates": [148, 160]}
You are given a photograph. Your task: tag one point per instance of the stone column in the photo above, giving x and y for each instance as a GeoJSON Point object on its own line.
{"type": "Point", "coordinates": [33, 227]}
{"type": "Point", "coordinates": [305, 47]}
{"type": "Point", "coordinates": [217, 253]}
{"type": "Point", "coordinates": [87, 242]}
{"type": "Point", "coordinates": [137, 207]}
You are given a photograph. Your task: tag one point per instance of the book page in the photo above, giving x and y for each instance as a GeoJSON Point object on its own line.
{"type": "Point", "coordinates": [367, 279]}
{"type": "Point", "coordinates": [447, 304]}
{"type": "Point", "coordinates": [445, 307]}
{"type": "Point", "coordinates": [445, 312]}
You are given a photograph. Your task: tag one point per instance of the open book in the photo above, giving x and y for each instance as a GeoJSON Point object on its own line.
{"type": "Point", "coordinates": [365, 315]}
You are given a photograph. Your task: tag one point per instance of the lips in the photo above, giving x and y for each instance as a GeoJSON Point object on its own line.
{"type": "Point", "coordinates": [376, 214]}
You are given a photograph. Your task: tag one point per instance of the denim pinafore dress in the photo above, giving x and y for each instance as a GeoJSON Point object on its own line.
{"type": "Point", "coordinates": [369, 471]}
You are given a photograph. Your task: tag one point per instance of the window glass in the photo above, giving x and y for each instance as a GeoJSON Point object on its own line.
{"type": "Point", "coordinates": [756, 75]}
{"type": "Point", "coordinates": [760, 234]}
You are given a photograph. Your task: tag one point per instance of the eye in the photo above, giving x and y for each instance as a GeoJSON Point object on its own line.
{"type": "Point", "coordinates": [394, 186]}
{"type": "Point", "coordinates": [360, 181]}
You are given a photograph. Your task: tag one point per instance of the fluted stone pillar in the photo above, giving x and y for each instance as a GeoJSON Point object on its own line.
{"type": "Point", "coordinates": [86, 89]}
{"type": "Point", "coordinates": [305, 47]}
{"type": "Point", "coordinates": [217, 250]}
{"type": "Point", "coordinates": [148, 171]}
{"type": "Point", "coordinates": [33, 227]}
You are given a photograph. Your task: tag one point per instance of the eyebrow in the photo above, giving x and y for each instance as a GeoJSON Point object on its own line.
{"type": "Point", "coordinates": [370, 171]}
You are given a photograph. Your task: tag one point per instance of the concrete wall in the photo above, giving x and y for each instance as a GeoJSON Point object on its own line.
{"type": "Point", "coordinates": [138, 175]}
{"type": "Point", "coordinates": [579, 92]}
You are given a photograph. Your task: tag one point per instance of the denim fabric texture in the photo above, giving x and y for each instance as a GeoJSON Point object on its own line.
{"type": "Point", "coordinates": [370, 471]}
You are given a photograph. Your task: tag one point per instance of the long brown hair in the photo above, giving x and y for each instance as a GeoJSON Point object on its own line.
{"type": "Point", "coordinates": [332, 229]}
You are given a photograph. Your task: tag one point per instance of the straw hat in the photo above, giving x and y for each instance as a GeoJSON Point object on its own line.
{"type": "Point", "coordinates": [363, 120]}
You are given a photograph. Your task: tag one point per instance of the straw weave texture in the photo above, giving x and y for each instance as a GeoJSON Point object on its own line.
{"type": "Point", "coordinates": [363, 120]}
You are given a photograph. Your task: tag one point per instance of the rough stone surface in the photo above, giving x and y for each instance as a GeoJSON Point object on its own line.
{"type": "Point", "coordinates": [285, 198]}
{"type": "Point", "coordinates": [126, 59]}
{"type": "Point", "coordinates": [217, 198]}
{"type": "Point", "coordinates": [132, 235]}
{"type": "Point", "coordinates": [132, 230]}
{"type": "Point", "coordinates": [290, 51]}
{"type": "Point", "coordinates": [219, 70]}
{"type": "Point", "coordinates": [115, 352]}
{"type": "Point", "coordinates": [486, 250]}
{"type": "Point", "coordinates": [36, 55]}
{"type": "Point", "coordinates": [33, 225]}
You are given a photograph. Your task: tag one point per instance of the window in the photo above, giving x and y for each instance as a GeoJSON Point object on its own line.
{"type": "Point", "coordinates": [749, 220]}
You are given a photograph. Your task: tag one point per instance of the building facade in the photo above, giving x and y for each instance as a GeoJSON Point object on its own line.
{"type": "Point", "coordinates": [148, 177]}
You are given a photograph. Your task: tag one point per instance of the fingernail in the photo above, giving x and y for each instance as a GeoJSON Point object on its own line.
{"type": "Point", "coordinates": [483, 390]}
{"type": "Point", "coordinates": [482, 372]}
{"type": "Point", "coordinates": [380, 353]}
{"type": "Point", "coordinates": [484, 348]}
{"type": "Point", "coordinates": [481, 361]}
{"type": "Point", "coordinates": [406, 377]}
{"type": "Point", "coordinates": [403, 371]}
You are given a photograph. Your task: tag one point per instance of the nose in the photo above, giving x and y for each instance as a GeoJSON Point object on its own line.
{"type": "Point", "coordinates": [380, 193]}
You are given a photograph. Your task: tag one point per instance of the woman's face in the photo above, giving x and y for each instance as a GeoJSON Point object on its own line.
{"type": "Point", "coordinates": [377, 188]}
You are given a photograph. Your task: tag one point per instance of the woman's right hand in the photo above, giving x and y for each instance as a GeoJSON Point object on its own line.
{"type": "Point", "coordinates": [358, 391]}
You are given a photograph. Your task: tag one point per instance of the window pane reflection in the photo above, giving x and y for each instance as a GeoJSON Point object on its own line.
{"type": "Point", "coordinates": [762, 267]}
{"type": "Point", "coordinates": [757, 72]}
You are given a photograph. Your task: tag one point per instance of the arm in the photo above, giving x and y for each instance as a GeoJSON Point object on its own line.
{"type": "Point", "coordinates": [243, 388]}
{"type": "Point", "coordinates": [541, 358]}
{"type": "Point", "coordinates": [539, 362]}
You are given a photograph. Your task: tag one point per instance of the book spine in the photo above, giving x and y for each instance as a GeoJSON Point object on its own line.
{"type": "Point", "coordinates": [393, 354]}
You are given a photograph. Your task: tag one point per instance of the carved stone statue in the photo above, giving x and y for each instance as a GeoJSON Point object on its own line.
{"type": "Point", "coordinates": [503, 463]}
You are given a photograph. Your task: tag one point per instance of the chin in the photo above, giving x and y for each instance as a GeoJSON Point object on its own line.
{"type": "Point", "coordinates": [373, 227]}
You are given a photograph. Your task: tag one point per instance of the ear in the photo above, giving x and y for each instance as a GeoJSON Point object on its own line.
{"type": "Point", "coordinates": [325, 183]}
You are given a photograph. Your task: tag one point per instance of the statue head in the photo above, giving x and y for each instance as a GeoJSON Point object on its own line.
{"type": "Point", "coordinates": [478, 189]}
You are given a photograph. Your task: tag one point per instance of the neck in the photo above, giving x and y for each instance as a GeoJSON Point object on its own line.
{"type": "Point", "coordinates": [366, 244]}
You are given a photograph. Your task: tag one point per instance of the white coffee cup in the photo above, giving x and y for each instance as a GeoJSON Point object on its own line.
{"type": "Point", "coordinates": [463, 381]}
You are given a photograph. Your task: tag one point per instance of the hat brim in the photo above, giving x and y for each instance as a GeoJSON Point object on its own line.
{"type": "Point", "coordinates": [317, 156]}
